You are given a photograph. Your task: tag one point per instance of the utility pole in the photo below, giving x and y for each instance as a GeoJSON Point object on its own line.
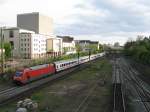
{"type": "Point", "coordinates": [89, 54]}
{"type": "Point", "coordinates": [2, 52]}
{"type": "Point", "coordinates": [78, 57]}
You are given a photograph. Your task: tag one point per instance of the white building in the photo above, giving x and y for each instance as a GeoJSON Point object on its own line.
{"type": "Point", "coordinates": [12, 35]}
{"type": "Point", "coordinates": [32, 45]}
{"type": "Point", "coordinates": [68, 45]}
{"type": "Point", "coordinates": [83, 44]}
{"type": "Point", "coordinates": [86, 45]}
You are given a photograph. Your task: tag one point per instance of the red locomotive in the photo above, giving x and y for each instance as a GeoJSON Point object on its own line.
{"type": "Point", "coordinates": [33, 73]}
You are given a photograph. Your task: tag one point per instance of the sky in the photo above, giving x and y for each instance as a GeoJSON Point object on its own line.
{"type": "Point", "coordinates": [107, 21]}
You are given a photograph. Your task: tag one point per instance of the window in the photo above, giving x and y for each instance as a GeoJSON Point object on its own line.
{"type": "Point", "coordinates": [24, 39]}
{"type": "Point", "coordinates": [12, 44]}
{"type": "Point", "coordinates": [18, 74]}
{"type": "Point", "coordinates": [11, 34]}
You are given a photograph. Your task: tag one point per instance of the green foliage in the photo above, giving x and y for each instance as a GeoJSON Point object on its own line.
{"type": "Point", "coordinates": [78, 48]}
{"type": "Point", "coordinates": [139, 50]}
{"type": "Point", "coordinates": [93, 48]}
{"type": "Point", "coordinates": [7, 47]}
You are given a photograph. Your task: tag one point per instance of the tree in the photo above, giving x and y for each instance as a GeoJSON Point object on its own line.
{"type": "Point", "coordinates": [93, 48]}
{"type": "Point", "coordinates": [100, 48]}
{"type": "Point", "coordinates": [78, 48]}
{"type": "Point", "coordinates": [139, 49]}
{"type": "Point", "coordinates": [8, 49]}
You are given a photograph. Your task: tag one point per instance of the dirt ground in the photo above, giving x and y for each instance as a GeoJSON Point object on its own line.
{"type": "Point", "coordinates": [87, 90]}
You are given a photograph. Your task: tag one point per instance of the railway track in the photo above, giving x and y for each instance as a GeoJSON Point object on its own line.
{"type": "Point", "coordinates": [89, 97]}
{"type": "Point", "coordinates": [10, 94]}
{"type": "Point", "coordinates": [139, 86]}
{"type": "Point", "coordinates": [118, 95]}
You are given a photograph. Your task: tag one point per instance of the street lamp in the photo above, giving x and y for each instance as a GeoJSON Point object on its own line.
{"type": "Point", "coordinates": [89, 54]}
{"type": "Point", "coordinates": [78, 57]}
{"type": "Point", "coordinates": [2, 48]}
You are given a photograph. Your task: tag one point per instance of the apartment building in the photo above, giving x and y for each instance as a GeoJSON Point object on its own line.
{"type": "Point", "coordinates": [83, 44]}
{"type": "Point", "coordinates": [32, 45]}
{"type": "Point", "coordinates": [68, 44]}
{"type": "Point", "coordinates": [12, 35]}
{"type": "Point", "coordinates": [36, 22]}
{"type": "Point", "coordinates": [87, 45]}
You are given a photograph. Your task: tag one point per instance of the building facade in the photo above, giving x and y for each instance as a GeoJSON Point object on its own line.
{"type": "Point", "coordinates": [68, 44]}
{"type": "Point", "coordinates": [36, 22]}
{"type": "Point", "coordinates": [54, 46]}
{"type": "Point", "coordinates": [32, 45]}
{"type": "Point", "coordinates": [83, 44]}
{"type": "Point", "coordinates": [86, 45]}
{"type": "Point", "coordinates": [12, 36]}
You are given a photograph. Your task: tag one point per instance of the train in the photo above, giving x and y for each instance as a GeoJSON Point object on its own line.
{"type": "Point", "coordinates": [30, 74]}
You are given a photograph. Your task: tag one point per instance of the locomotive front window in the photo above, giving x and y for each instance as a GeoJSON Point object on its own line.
{"type": "Point", "coordinates": [18, 74]}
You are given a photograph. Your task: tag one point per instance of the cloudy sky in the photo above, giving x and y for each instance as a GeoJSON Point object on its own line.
{"type": "Point", "coordinates": [104, 20]}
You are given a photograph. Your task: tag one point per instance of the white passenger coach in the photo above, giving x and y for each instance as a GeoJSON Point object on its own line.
{"type": "Point", "coordinates": [65, 64]}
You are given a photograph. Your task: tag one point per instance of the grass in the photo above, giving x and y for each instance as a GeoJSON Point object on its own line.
{"type": "Point", "coordinates": [65, 95]}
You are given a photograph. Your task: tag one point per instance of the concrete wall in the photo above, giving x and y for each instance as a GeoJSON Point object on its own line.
{"type": "Point", "coordinates": [54, 44]}
{"type": "Point", "coordinates": [45, 25]}
{"type": "Point", "coordinates": [35, 22]}
{"type": "Point", "coordinates": [49, 45]}
{"type": "Point", "coordinates": [29, 21]}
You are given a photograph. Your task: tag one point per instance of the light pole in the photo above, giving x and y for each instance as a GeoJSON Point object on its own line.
{"type": "Point", "coordinates": [78, 57]}
{"type": "Point", "coordinates": [2, 48]}
{"type": "Point", "coordinates": [89, 54]}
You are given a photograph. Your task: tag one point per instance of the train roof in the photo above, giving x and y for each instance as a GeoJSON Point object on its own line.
{"type": "Point", "coordinates": [38, 67]}
{"type": "Point", "coordinates": [84, 57]}
{"type": "Point", "coordinates": [65, 61]}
